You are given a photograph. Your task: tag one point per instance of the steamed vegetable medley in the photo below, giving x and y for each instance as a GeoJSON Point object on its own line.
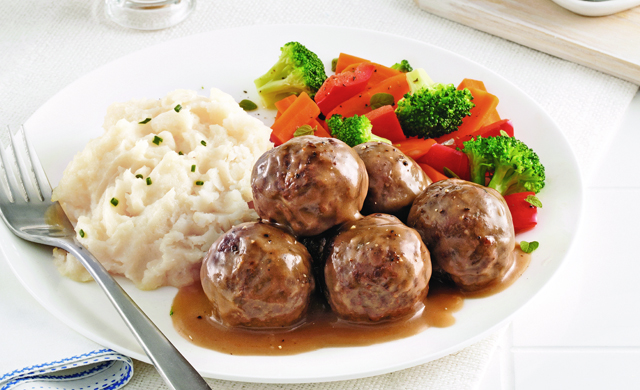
{"type": "Point", "coordinates": [449, 131]}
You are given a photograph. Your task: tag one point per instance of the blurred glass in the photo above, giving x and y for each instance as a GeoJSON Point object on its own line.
{"type": "Point", "coordinates": [149, 14]}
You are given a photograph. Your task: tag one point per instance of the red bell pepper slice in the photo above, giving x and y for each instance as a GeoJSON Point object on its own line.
{"type": "Point", "coordinates": [440, 156]}
{"type": "Point", "coordinates": [385, 124]}
{"type": "Point", "coordinates": [340, 87]}
{"type": "Point", "coordinates": [523, 213]}
{"type": "Point", "coordinates": [492, 130]}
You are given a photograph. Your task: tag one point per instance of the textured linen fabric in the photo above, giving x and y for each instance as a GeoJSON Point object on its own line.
{"type": "Point", "coordinates": [459, 371]}
{"type": "Point", "coordinates": [45, 46]}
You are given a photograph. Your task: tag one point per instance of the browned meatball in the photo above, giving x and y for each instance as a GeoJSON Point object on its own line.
{"type": "Point", "coordinates": [309, 184]}
{"type": "Point", "coordinates": [377, 269]}
{"type": "Point", "coordinates": [394, 179]}
{"type": "Point", "coordinates": [468, 230]}
{"type": "Point", "coordinates": [257, 275]}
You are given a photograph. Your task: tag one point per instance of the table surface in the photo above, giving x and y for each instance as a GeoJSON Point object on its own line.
{"type": "Point", "coordinates": [581, 332]}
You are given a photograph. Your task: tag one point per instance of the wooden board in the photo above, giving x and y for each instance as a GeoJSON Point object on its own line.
{"type": "Point", "coordinates": [610, 44]}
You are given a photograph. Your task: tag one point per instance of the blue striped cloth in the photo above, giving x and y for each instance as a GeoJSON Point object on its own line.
{"type": "Point", "coordinates": [101, 369]}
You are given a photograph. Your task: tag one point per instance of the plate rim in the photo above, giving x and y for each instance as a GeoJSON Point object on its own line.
{"type": "Point", "coordinates": [396, 367]}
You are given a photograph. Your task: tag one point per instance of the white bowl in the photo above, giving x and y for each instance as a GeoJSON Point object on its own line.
{"type": "Point", "coordinates": [597, 8]}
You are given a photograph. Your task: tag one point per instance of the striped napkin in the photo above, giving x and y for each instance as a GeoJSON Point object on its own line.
{"type": "Point", "coordinates": [39, 352]}
{"type": "Point", "coordinates": [98, 369]}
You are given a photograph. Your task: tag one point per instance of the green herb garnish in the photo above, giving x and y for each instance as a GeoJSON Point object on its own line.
{"type": "Point", "coordinates": [157, 140]}
{"type": "Point", "coordinates": [533, 201]}
{"type": "Point", "coordinates": [203, 143]}
{"type": "Point", "coordinates": [177, 108]}
{"type": "Point", "coordinates": [247, 105]}
{"type": "Point", "coordinates": [528, 247]}
{"type": "Point", "coordinates": [139, 176]}
{"type": "Point", "coordinates": [147, 120]}
{"type": "Point", "coordinates": [149, 182]}
{"type": "Point", "coordinates": [180, 153]}
{"type": "Point", "coordinates": [81, 232]}
{"type": "Point", "coordinates": [381, 99]}
{"type": "Point", "coordinates": [199, 182]}
{"type": "Point", "coordinates": [304, 130]}
{"type": "Point", "coordinates": [114, 201]}
{"type": "Point", "coordinates": [193, 168]}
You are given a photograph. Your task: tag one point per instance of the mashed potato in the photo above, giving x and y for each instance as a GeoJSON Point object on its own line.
{"type": "Point", "coordinates": [148, 199]}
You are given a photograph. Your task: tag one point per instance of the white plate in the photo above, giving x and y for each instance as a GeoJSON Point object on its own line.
{"type": "Point", "coordinates": [597, 8]}
{"type": "Point", "coordinates": [230, 60]}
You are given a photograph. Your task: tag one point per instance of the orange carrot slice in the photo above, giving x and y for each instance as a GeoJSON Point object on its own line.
{"type": "Point", "coordinates": [415, 147]}
{"type": "Point", "coordinates": [359, 104]}
{"type": "Point", "coordinates": [282, 105]}
{"type": "Point", "coordinates": [477, 84]}
{"type": "Point", "coordinates": [299, 113]}
{"type": "Point", "coordinates": [320, 130]}
{"type": "Point", "coordinates": [432, 173]}
{"type": "Point", "coordinates": [345, 60]}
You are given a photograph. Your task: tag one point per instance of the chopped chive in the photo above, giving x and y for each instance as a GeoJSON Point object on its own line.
{"type": "Point", "coordinates": [449, 173]}
{"type": "Point", "coordinates": [81, 233]}
{"type": "Point", "coordinates": [180, 153]}
{"type": "Point", "coordinates": [157, 140]}
{"type": "Point", "coordinates": [147, 120]}
{"type": "Point", "coordinates": [247, 105]}
{"type": "Point", "coordinates": [177, 108]}
{"type": "Point", "coordinates": [199, 182]}
{"type": "Point", "coordinates": [171, 312]}
{"type": "Point", "coordinates": [203, 143]}
{"type": "Point", "coordinates": [149, 181]}
{"type": "Point", "coordinates": [139, 176]}
{"type": "Point", "coordinates": [193, 168]}
{"type": "Point", "coordinates": [114, 201]}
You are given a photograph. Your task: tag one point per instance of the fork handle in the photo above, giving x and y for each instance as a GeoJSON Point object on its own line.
{"type": "Point", "coordinates": [174, 369]}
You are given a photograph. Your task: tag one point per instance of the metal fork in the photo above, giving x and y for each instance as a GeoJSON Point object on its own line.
{"type": "Point", "coordinates": [27, 209]}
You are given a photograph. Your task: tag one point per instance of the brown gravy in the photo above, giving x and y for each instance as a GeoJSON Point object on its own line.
{"type": "Point", "coordinates": [192, 318]}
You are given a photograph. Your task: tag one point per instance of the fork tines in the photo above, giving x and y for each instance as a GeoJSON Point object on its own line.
{"type": "Point", "coordinates": [23, 175]}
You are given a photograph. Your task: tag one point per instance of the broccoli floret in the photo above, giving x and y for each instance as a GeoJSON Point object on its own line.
{"type": "Point", "coordinates": [354, 130]}
{"type": "Point", "coordinates": [433, 111]}
{"type": "Point", "coordinates": [515, 167]}
{"type": "Point", "coordinates": [297, 70]}
{"type": "Point", "coordinates": [480, 162]}
{"type": "Point", "coordinates": [403, 66]}
{"type": "Point", "coordinates": [418, 79]}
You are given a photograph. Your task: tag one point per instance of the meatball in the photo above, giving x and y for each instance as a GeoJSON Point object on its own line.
{"type": "Point", "coordinates": [394, 179]}
{"type": "Point", "coordinates": [309, 184]}
{"type": "Point", "coordinates": [377, 269]}
{"type": "Point", "coordinates": [257, 275]}
{"type": "Point", "coordinates": [468, 230]}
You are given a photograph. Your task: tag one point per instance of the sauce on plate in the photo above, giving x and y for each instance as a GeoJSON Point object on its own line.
{"type": "Point", "coordinates": [192, 318]}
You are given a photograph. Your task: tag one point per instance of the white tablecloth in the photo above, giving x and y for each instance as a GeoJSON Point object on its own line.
{"type": "Point", "coordinates": [46, 45]}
